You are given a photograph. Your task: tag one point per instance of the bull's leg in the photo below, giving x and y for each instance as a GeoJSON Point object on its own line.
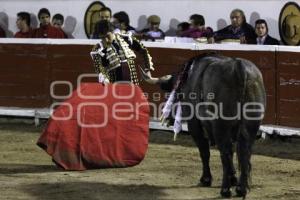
{"type": "Point", "coordinates": [226, 158]}
{"type": "Point", "coordinates": [222, 135]}
{"type": "Point", "coordinates": [202, 143]}
{"type": "Point", "coordinates": [243, 153]}
{"type": "Point", "coordinates": [206, 178]}
{"type": "Point", "coordinates": [231, 169]}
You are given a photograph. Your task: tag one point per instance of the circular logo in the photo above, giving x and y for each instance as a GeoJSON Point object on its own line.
{"type": "Point", "coordinates": [91, 17]}
{"type": "Point", "coordinates": [289, 24]}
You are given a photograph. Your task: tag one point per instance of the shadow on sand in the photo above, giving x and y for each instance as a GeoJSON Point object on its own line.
{"type": "Point", "coordinates": [289, 149]}
{"type": "Point", "coordinates": [98, 190]}
{"type": "Point", "coordinates": [27, 168]}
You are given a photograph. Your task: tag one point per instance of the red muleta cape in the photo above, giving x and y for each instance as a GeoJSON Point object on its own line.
{"type": "Point", "coordinates": [99, 126]}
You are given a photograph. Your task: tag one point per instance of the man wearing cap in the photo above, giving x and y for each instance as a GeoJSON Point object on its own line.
{"type": "Point", "coordinates": [153, 32]}
{"type": "Point", "coordinates": [46, 30]}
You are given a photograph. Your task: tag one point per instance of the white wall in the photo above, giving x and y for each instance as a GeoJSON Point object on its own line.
{"type": "Point", "coordinates": [216, 12]}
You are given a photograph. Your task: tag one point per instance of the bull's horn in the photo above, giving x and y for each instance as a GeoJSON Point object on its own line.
{"type": "Point", "coordinates": [153, 80]}
{"type": "Point", "coordinates": [165, 78]}
{"type": "Point", "coordinates": [148, 78]}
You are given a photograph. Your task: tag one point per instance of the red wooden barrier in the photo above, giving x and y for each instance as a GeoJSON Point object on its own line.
{"type": "Point", "coordinates": [27, 71]}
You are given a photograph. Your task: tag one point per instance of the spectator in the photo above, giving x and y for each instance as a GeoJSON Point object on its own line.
{"type": "Point", "coordinates": [122, 23]}
{"type": "Point", "coordinates": [239, 29]}
{"type": "Point", "coordinates": [105, 13]}
{"type": "Point", "coordinates": [262, 30]}
{"type": "Point", "coordinates": [153, 32]}
{"type": "Point", "coordinates": [58, 21]}
{"type": "Point", "coordinates": [2, 33]}
{"type": "Point", "coordinates": [23, 24]}
{"type": "Point", "coordinates": [181, 27]}
{"type": "Point", "coordinates": [197, 28]}
{"type": "Point", "coordinates": [46, 30]}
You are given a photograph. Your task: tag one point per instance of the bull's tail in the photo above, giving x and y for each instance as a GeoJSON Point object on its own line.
{"type": "Point", "coordinates": [243, 138]}
{"type": "Point", "coordinates": [241, 78]}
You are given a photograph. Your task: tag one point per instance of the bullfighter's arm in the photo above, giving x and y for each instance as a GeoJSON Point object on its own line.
{"type": "Point", "coordinates": [97, 55]}
{"type": "Point", "coordinates": [140, 48]}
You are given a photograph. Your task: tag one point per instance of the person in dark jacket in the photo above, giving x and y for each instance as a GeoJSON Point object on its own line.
{"type": "Point", "coordinates": [262, 30]}
{"type": "Point", "coordinates": [2, 32]}
{"type": "Point", "coordinates": [181, 27]}
{"type": "Point", "coordinates": [121, 22]}
{"type": "Point", "coordinates": [238, 30]}
{"type": "Point", "coordinates": [104, 14]}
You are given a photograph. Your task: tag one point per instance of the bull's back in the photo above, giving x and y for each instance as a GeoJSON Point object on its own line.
{"type": "Point", "coordinates": [230, 84]}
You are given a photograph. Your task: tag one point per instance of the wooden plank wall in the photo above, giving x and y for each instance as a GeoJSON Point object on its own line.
{"type": "Point", "coordinates": [27, 71]}
{"type": "Point", "coordinates": [288, 77]}
{"type": "Point", "coordinates": [24, 74]}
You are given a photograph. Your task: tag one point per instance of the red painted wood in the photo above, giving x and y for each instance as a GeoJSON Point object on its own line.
{"type": "Point", "coordinates": [27, 71]}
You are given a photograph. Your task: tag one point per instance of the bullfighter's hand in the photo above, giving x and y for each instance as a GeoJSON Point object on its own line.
{"type": "Point", "coordinates": [102, 78]}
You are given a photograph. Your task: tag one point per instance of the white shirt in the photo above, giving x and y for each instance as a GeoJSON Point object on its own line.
{"type": "Point", "coordinates": [261, 40]}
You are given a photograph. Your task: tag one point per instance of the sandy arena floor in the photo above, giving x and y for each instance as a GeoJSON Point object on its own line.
{"type": "Point", "coordinates": [170, 170]}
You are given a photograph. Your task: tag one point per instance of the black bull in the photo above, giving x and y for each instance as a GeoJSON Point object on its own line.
{"type": "Point", "coordinates": [231, 99]}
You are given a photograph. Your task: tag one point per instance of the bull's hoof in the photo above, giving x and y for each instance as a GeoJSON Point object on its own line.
{"type": "Point", "coordinates": [240, 192]}
{"type": "Point", "coordinates": [233, 181]}
{"type": "Point", "coordinates": [225, 192]}
{"type": "Point", "coordinates": [205, 182]}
